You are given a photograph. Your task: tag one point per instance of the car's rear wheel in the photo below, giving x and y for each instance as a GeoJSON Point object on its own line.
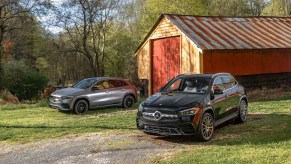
{"type": "Point", "coordinates": [128, 101]}
{"type": "Point", "coordinates": [243, 112]}
{"type": "Point", "coordinates": [206, 127]}
{"type": "Point", "coordinates": [81, 107]}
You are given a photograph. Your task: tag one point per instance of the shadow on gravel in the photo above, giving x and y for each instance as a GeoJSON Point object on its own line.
{"type": "Point", "coordinates": [259, 129]}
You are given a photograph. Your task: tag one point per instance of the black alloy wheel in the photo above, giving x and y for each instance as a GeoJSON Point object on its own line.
{"type": "Point", "coordinates": [128, 101]}
{"type": "Point", "coordinates": [81, 107]}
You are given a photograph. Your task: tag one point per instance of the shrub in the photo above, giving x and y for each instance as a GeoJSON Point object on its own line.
{"type": "Point", "coordinates": [30, 84]}
{"type": "Point", "coordinates": [11, 74]}
{"type": "Point", "coordinates": [22, 81]}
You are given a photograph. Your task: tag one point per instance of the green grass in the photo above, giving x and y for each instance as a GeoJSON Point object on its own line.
{"type": "Point", "coordinates": [265, 138]}
{"type": "Point", "coordinates": [24, 122]}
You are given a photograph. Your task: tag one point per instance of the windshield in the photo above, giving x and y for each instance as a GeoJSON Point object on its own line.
{"type": "Point", "coordinates": [188, 85]}
{"type": "Point", "coordinates": [84, 84]}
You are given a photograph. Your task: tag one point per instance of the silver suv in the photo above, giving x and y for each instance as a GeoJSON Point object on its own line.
{"type": "Point", "coordinates": [94, 93]}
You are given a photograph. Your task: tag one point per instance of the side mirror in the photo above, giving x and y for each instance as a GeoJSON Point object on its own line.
{"type": "Point", "coordinates": [218, 91]}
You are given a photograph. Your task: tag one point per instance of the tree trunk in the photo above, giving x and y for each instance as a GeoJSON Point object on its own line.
{"type": "Point", "coordinates": [1, 52]}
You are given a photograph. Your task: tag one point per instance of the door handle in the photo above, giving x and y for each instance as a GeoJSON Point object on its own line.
{"type": "Point", "coordinates": [107, 91]}
{"type": "Point", "coordinates": [122, 89]}
{"type": "Point", "coordinates": [237, 91]}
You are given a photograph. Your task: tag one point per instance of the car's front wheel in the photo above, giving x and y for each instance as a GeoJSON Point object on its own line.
{"type": "Point", "coordinates": [128, 101]}
{"type": "Point", "coordinates": [81, 107]}
{"type": "Point", "coordinates": [206, 127]}
{"type": "Point", "coordinates": [243, 112]}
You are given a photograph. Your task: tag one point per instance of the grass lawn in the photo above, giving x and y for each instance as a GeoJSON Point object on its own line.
{"type": "Point", "coordinates": [264, 138]}
{"type": "Point", "coordinates": [25, 123]}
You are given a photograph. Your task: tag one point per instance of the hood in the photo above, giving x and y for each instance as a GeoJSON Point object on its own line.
{"type": "Point", "coordinates": [174, 100]}
{"type": "Point", "coordinates": [68, 92]}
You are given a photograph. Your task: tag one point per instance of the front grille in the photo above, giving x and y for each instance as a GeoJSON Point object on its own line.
{"type": "Point", "coordinates": [158, 116]}
{"type": "Point", "coordinates": [161, 130]}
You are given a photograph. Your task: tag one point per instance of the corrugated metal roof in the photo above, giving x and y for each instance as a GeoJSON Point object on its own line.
{"type": "Point", "coordinates": [235, 33]}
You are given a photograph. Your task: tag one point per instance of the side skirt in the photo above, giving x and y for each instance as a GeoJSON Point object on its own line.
{"type": "Point", "coordinates": [226, 118]}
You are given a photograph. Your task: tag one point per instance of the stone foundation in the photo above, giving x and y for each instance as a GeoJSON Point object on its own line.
{"type": "Point", "coordinates": [266, 86]}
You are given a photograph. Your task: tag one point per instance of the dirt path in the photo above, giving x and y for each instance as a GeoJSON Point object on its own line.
{"type": "Point", "coordinates": [89, 148]}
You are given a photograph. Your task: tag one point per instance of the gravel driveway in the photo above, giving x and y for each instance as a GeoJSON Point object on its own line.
{"type": "Point", "coordinates": [89, 148]}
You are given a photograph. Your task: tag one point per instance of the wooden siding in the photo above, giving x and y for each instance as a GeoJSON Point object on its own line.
{"type": "Point", "coordinates": [190, 59]}
{"type": "Point", "coordinates": [247, 62]}
{"type": "Point", "coordinates": [144, 59]}
{"type": "Point", "coordinates": [164, 29]}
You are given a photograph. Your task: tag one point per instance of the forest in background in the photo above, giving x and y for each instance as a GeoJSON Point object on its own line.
{"type": "Point", "coordinates": [96, 37]}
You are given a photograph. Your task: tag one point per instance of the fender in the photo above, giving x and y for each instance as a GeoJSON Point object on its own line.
{"type": "Point", "coordinates": [197, 125]}
{"type": "Point", "coordinates": [77, 98]}
{"type": "Point", "coordinates": [244, 96]}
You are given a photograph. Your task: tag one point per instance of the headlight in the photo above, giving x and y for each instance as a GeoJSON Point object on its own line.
{"type": "Point", "coordinates": [66, 98]}
{"type": "Point", "coordinates": [189, 112]}
{"type": "Point", "coordinates": [140, 108]}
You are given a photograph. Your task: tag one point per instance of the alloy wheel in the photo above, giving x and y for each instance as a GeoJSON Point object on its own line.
{"type": "Point", "coordinates": [207, 126]}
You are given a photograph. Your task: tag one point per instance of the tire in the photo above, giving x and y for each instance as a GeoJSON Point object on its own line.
{"type": "Point", "coordinates": [243, 112]}
{"type": "Point", "coordinates": [81, 107]}
{"type": "Point", "coordinates": [128, 102]}
{"type": "Point", "coordinates": [206, 128]}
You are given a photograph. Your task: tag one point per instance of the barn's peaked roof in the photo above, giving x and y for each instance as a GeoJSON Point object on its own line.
{"type": "Point", "coordinates": [233, 32]}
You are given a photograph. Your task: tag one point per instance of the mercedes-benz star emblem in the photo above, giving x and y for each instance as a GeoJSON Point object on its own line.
{"type": "Point", "coordinates": [157, 115]}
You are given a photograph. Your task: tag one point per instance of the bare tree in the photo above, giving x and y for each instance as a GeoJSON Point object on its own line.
{"type": "Point", "coordinates": [257, 6]}
{"type": "Point", "coordinates": [12, 12]}
{"type": "Point", "coordinates": [87, 24]}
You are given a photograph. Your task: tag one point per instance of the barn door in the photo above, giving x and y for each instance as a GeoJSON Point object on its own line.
{"type": "Point", "coordinates": [166, 61]}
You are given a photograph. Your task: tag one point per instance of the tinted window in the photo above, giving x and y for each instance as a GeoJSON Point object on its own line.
{"type": "Point", "coordinates": [115, 83]}
{"type": "Point", "coordinates": [123, 83]}
{"type": "Point", "coordinates": [228, 82]}
{"type": "Point", "coordinates": [218, 84]}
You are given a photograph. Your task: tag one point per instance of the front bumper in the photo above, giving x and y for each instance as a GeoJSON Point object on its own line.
{"type": "Point", "coordinates": [61, 107]}
{"type": "Point", "coordinates": [59, 104]}
{"type": "Point", "coordinates": [185, 128]}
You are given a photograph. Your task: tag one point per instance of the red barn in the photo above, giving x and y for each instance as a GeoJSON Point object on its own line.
{"type": "Point", "coordinates": [257, 50]}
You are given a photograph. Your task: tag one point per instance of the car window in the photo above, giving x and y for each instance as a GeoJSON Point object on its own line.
{"type": "Point", "coordinates": [123, 83]}
{"type": "Point", "coordinates": [105, 84]}
{"type": "Point", "coordinates": [174, 86]}
{"type": "Point", "coordinates": [218, 84]}
{"type": "Point", "coordinates": [115, 83]}
{"type": "Point", "coordinates": [84, 84]}
{"type": "Point", "coordinates": [228, 82]}
{"type": "Point", "coordinates": [188, 85]}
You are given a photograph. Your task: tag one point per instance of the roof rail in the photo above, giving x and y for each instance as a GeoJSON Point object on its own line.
{"type": "Point", "coordinates": [220, 73]}
{"type": "Point", "coordinates": [187, 73]}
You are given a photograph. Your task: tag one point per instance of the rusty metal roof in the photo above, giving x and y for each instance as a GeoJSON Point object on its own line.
{"type": "Point", "coordinates": [235, 32]}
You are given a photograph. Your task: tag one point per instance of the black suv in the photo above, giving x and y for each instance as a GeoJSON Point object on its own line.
{"type": "Point", "coordinates": [193, 104]}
